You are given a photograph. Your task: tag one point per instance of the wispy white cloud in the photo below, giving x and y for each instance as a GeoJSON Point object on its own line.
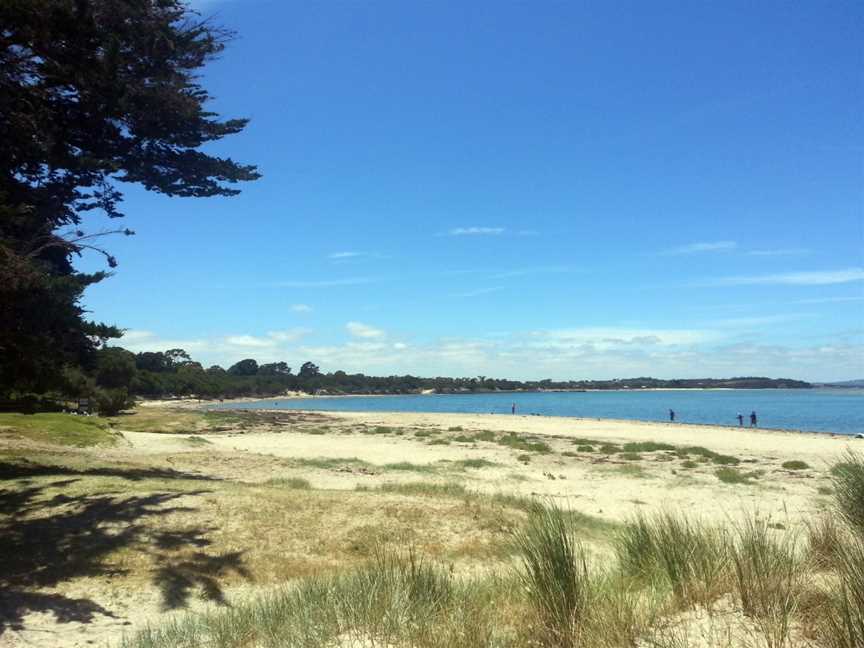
{"type": "Point", "coordinates": [250, 341]}
{"type": "Point", "coordinates": [477, 292]}
{"type": "Point", "coordinates": [288, 335]}
{"type": "Point", "coordinates": [301, 308]}
{"type": "Point", "coordinates": [779, 252]}
{"type": "Point", "coordinates": [327, 283]}
{"type": "Point", "coordinates": [345, 255]}
{"type": "Point", "coordinates": [363, 331]}
{"type": "Point", "coordinates": [698, 248]}
{"type": "Point", "coordinates": [829, 300]}
{"type": "Point", "coordinates": [761, 320]}
{"type": "Point", "coordinates": [607, 337]}
{"type": "Point", "coordinates": [811, 278]}
{"type": "Point", "coordinates": [521, 272]}
{"type": "Point", "coordinates": [475, 231]}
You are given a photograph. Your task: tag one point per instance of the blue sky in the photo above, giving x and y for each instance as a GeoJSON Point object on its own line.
{"type": "Point", "coordinates": [587, 190]}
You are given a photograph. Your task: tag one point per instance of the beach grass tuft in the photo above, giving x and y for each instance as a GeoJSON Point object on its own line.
{"type": "Point", "coordinates": [553, 568]}
{"type": "Point", "coordinates": [767, 577]}
{"type": "Point", "coordinates": [847, 479]}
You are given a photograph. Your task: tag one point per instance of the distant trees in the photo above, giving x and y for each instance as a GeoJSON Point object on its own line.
{"type": "Point", "coordinates": [309, 370]}
{"type": "Point", "coordinates": [118, 374]}
{"type": "Point", "coordinates": [115, 368]}
{"type": "Point", "coordinates": [248, 367]}
{"type": "Point", "coordinates": [274, 369]}
{"type": "Point", "coordinates": [93, 93]}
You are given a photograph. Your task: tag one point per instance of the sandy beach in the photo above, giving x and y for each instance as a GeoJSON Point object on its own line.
{"type": "Point", "coordinates": [606, 485]}
{"type": "Point", "coordinates": [299, 493]}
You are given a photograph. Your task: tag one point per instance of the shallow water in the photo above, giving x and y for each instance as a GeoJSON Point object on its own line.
{"type": "Point", "coordinates": [815, 410]}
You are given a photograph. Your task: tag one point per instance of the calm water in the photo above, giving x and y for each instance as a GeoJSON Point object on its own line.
{"type": "Point", "coordinates": [816, 410]}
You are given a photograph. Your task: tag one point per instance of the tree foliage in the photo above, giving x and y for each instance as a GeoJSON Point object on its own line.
{"type": "Point", "coordinates": [93, 94]}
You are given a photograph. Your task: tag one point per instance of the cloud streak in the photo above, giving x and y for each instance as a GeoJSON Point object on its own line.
{"type": "Point", "coordinates": [478, 292]}
{"type": "Point", "coordinates": [699, 248]}
{"type": "Point", "coordinates": [475, 231]}
{"type": "Point", "coordinates": [327, 283]}
{"type": "Point", "coordinates": [808, 278]}
{"type": "Point", "coordinates": [363, 331]}
{"type": "Point", "coordinates": [779, 252]}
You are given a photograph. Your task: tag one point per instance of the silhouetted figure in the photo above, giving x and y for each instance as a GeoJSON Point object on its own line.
{"type": "Point", "coordinates": [672, 415]}
{"type": "Point", "coordinates": [740, 419]}
{"type": "Point", "coordinates": [753, 419]}
{"type": "Point", "coordinates": [513, 409]}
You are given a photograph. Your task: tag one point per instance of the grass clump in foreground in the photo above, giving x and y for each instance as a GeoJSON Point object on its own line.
{"type": "Point", "coordinates": [847, 478]}
{"type": "Point", "coordinates": [767, 578]}
{"type": "Point", "coordinates": [796, 465]}
{"type": "Point", "coordinates": [554, 572]}
{"type": "Point", "coordinates": [60, 429]}
{"type": "Point", "coordinates": [397, 600]}
{"type": "Point", "coordinates": [687, 557]}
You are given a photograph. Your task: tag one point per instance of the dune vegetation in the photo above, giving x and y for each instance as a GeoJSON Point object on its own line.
{"type": "Point", "coordinates": [663, 581]}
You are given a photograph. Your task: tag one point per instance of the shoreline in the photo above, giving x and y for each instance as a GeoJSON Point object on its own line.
{"type": "Point", "coordinates": [559, 419]}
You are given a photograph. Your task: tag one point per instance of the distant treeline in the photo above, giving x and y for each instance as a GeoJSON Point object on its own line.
{"type": "Point", "coordinates": [173, 373]}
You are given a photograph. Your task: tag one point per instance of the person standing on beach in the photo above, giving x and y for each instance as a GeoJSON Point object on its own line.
{"type": "Point", "coordinates": [740, 419]}
{"type": "Point", "coordinates": [513, 409]}
{"type": "Point", "coordinates": [753, 419]}
{"type": "Point", "coordinates": [672, 415]}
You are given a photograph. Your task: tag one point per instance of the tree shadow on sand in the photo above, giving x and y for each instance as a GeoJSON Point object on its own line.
{"type": "Point", "coordinates": [47, 540]}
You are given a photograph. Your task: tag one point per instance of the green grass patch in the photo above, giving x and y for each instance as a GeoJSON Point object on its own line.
{"type": "Point", "coordinates": [689, 464]}
{"type": "Point", "coordinates": [630, 456]}
{"type": "Point", "coordinates": [439, 442]}
{"type": "Point", "coordinates": [631, 471]}
{"type": "Point", "coordinates": [411, 467]}
{"type": "Point", "coordinates": [708, 455]}
{"type": "Point", "coordinates": [610, 448]}
{"type": "Point", "coordinates": [513, 440]}
{"type": "Point", "coordinates": [197, 441]}
{"type": "Point", "coordinates": [61, 429]}
{"type": "Point", "coordinates": [729, 475]}
{"type": "Point", "coordinates": [585, 448]}
{"type": "Point", "coordinates": [462, 438]}
{"type": "Point", "coordinates": [427, 489]}
{"type": "Point", "coordinates": [296, 483]}
{"type": "Point", "coordinates": [485, 435]}
{"type": "Point", "coordinates": [456, 428]}
{"type": "Point", "coordinates": [523, 458]}
{"type": "Point", "coordinates": [647, 446]}
{"type": "Point", "coordinates": [378, 430]}
{"type": "Point", "coordinates": [474, 463]}
{"type": "Point", "coordinates": [327, 463]}
{"type": "Point", "coordinates": [796, 465]}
